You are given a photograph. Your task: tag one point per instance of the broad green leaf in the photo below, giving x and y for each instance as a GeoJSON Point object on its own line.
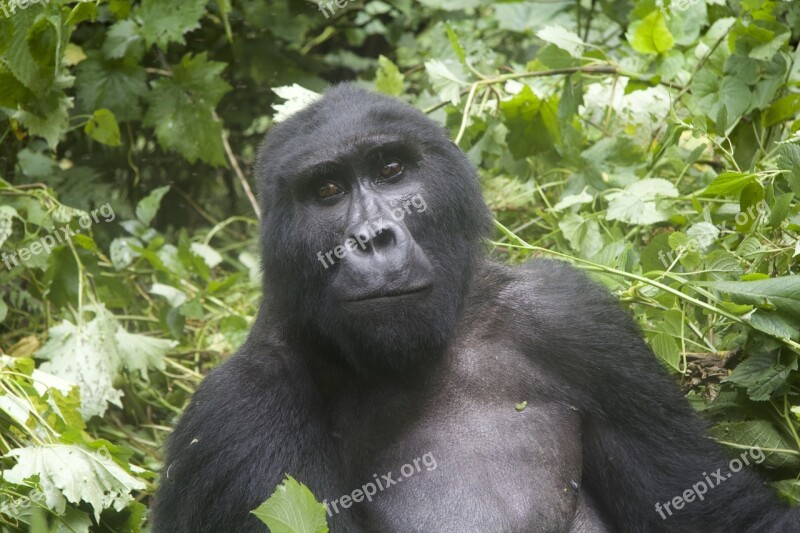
{"type": "Point", "coordinates": [140, 353]}
{"type": "Point", "coordinates": [165, 21]}
{"type": "Point", "coordinates": [209, 255]}
{"type": "Point", "coordinates": [789, 490]}
{"type": "Point", "coordinates": [13, 93]}
{"type": "Point", "coordinates": [779, 325]}
{"type": "Point", "coordinates": [763, 374]}
{"type": "Point", "coordinates": [74, 474]}
{"type": "Point", "coordinates": [115, 85]}
{"type": "Point", "coordinates": [103, 128]}
{"type": "Point", "coordinates": [783, 293]}
{"type": "Point", "coordinates": [568, 41]}
{"type": "Point", "coordinates": [710, 93]}
{"type": "Point", "coordinates": [7, 214]}
{"type": "Point", "coordinates": [82, 11]}
{"type": "Point", "coordinates": [524, 16]}
{"type": "Point", "coordinates": [790, 160]}
{"type": "Point", "coordinates": [147, 207]}
{"type": "Point", "coordinates": [573, 199]}
{"type": "Point", "coordinates": [292, 508]}
{"type": "Point", "coordinates": [296, 97]}
{"type": "Point", "coordinates": [758, 434]}
{"type": "Point", "coordinates": [666, 348]}
{"type": "Point", "coordinates": [729, 184]}
{"type": "Point", "coordinates": [54, 125]}
{"type": "Point", "coordinates": [388, 79]}
{"type": "Point", "coordinates": [182, 109]}
{"type": "Point", "coordinates": [532, 123]}
{"type": "Point", "coordinates": [582, 234]}
{"type": "Point", "coordinates": [123, 37]}
{"type": "Point", "coordinates": [455, 44]}
{"type": "Point", "coordinates": [641, 202]}
{"type": "Point", "coordinates": [651, 35]}
{"type": "Point", "coordinates": [92, 354]}
{"type": "Point", "coordinates": [447, 79]}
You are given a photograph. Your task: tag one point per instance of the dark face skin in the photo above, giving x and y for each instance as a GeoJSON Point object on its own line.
{"type": "Point", "coordinates": [409, 343]}
{"type": "Point", "coordinates": [364, 247]}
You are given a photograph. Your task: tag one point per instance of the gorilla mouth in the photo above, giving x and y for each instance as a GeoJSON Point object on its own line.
{"type": "Point", "coordinates": [390, 294]}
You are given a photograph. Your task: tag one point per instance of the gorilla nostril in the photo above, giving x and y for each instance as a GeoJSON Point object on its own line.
{"type": "Point", "coordinates": [384, 239]}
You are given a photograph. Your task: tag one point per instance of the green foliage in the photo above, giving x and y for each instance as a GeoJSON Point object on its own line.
{"type": "Point", "coordinates": [655, 144]}
{"type": "Point", "coordinates": [292, 508]}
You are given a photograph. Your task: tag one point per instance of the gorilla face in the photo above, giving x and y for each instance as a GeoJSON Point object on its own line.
{"type": "Point", "coordinates": [372, 223]}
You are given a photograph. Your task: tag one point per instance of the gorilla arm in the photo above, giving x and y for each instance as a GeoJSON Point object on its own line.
{"type": "Point", "coordinates": [246, 427]}
{"type": "Point", "coordinates": [643, 443]}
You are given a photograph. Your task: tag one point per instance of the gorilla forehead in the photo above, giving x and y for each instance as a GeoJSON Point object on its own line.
{"type": "Point", "coordinates": [345, 120]}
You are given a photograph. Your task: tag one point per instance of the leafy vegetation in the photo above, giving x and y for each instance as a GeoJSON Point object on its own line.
{"type": "Point", "coordinates": [654, 144]}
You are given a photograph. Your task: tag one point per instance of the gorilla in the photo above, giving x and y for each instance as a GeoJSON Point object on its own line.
{"type": "Point", "coordinates": [414, 384]}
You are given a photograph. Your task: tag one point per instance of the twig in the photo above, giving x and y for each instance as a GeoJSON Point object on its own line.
{"type": "Point", "coordinates": [238, 171]}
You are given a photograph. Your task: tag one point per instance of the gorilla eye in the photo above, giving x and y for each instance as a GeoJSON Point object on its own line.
{"type": "Point", "coordinates": [391, 169]}
{"type": "Point", "coordinates": [329, 190]}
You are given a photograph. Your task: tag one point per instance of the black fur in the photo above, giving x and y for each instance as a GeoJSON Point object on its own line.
{"type": "Point", "coordinates": [342, 381]}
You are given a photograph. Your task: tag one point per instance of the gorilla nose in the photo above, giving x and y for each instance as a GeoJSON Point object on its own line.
{"type": "Point", "coordinates": [376, 239]}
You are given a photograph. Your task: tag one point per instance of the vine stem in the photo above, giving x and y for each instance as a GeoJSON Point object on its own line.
{"type": "Point", "coordinates": [794, 346]}
{"type": "Point", "coordinates": [238, 171]}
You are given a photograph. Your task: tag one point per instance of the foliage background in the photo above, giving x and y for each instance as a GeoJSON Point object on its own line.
{"type": "Point", "coordinates": [613, 133]}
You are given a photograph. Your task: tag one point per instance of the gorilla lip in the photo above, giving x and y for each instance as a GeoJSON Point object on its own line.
{"type": "Point", "coordinates": [396, 293]}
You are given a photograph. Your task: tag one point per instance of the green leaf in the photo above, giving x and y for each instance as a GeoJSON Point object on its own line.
{"type": "Point", "coordinates": [729, 184]}
{"type": "Point", "coordinates": [789, 490]}
{"type": "Point", "coordinates": [92, 354]}
{"type": "Point", "coordinates": [582, 234]}
{"type": "Point", "coordinates": [763, 374]}
{"type": "Point", "coordinates": [182, 109]}
{"type": "Point", "coordinates": [7, 214]}
{"type": "Point", "coordinates": [115, 85]}
{"type": "Point", "coordinates": [147, 207]}
{"type": "Point", "coordinates": [573, 199]}
{"type": "Point", "coordinates": [532, 123]}
{"type": "Point", "coordinates": [165, 21]}
{"type": "Point", "coordinates": [782, 109]}
{"type": "Point", "coordinates": [82, 11]}
{"type": "Point", "coordinates": [292, 508]}
{"type": "Point", "coordinates": [297, 98]}
{"type": "Point", "coordinates": [775, 323]}
{"type": "Point", "coordinates": [447, 79]}
{"type": "Point", "coordinates": [455, 44]}
{"type": "Point", "coordinates": [568, 41]}
{"type": "Point", "coordinates": [758, 434]}
{"type": "Point", "coordinates": [103, 128]}
{"type": "Point", "coordinates": [74, 474]}
{"type": "Point", "coordinates": [710, 93]}
{"type": "Point", "coordinates": [211, 257]}
{"type": "Point", "coordinates": [651, 35]}
{"type": "Point", "coordinates": [641, 202]}
{"type": "Point", "coordinates": [140, 353]}
{"type": "Point", "coordinates": [43, 41]}
{"type": "Point", "coordinates": [790, 160]}
{"type": "Point", "coordinates": [782, 293]}
{"type": "Point", "coordinates": [13, 93]}
{"type": "Point", "coordinates": [666, 348]}
{"type": "Point", "coordinates": [388, 79]}
{"type": "Point", "coordinates": [122, 38]}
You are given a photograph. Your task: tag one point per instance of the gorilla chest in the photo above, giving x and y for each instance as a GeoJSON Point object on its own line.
{"type": "Point", "coordinates": [462, 464]}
